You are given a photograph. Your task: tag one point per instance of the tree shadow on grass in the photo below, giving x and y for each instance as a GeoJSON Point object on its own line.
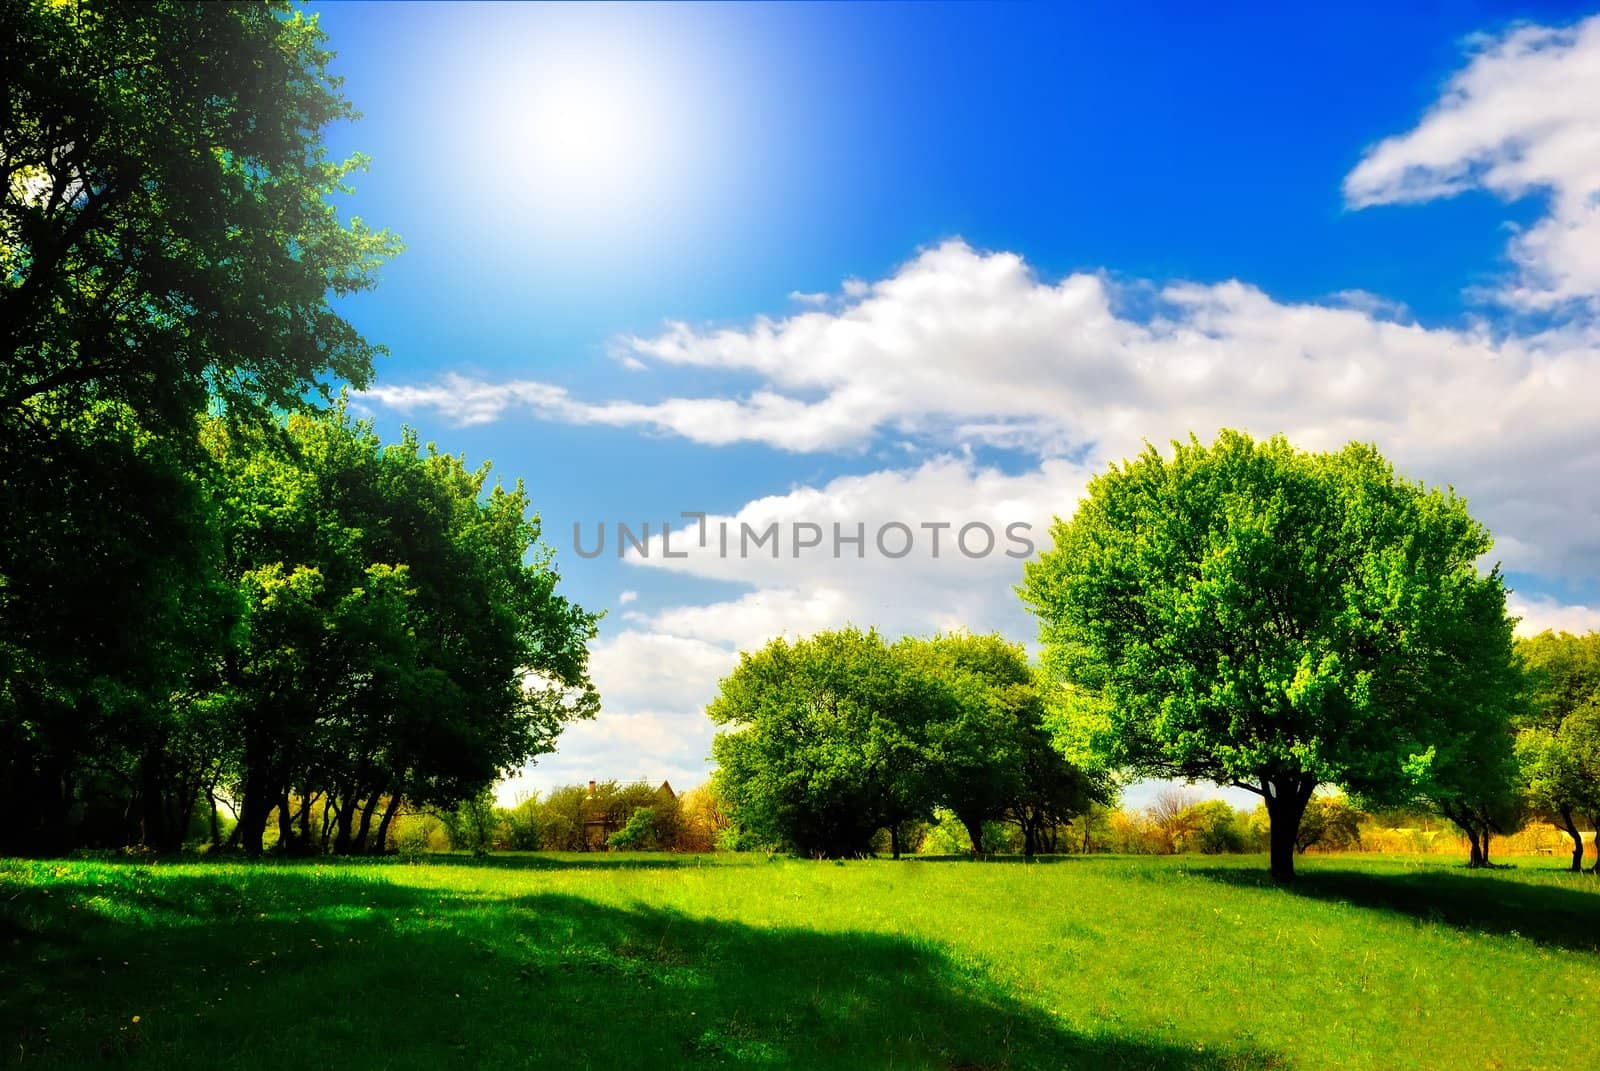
{"type": "Point", "coordinates": [1478, 901]}
{"type": "Point", "coordinates": [567, 861]}
{"type": "Point", "coordinates": [284, 967]}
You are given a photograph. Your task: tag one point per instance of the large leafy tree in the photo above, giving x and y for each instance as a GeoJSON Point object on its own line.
{"type": "Point", "coordinates": [105, 595]}
{"type": "Point", "coordinates": [826, 741]}
{"type": "Point", "coordinates": [1275, 619]}
{"type": "Point", "coordinates": [167, 232]}
{"type": "Point", "coordinates": [403, 636]}
{"type": "Point", "coordinates": [168, 241]}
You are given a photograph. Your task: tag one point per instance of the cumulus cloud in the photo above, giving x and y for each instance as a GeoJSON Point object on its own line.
{"type": "Point", "coordinates": [1540, 612]}
{"type": "Point", "coordinates": [1522, 117]}
{"type": "Point", "coordinates": [964, 347]}
{"type": "Point", "coordinates": [961, 348]}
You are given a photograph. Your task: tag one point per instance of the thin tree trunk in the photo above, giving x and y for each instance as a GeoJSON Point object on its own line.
{"type": "Point", "coordinates": [389, 811]}
{"type": "Point", "coordinates": [286, 842]}
{"type": "Point", "coordinates": [360, 845]}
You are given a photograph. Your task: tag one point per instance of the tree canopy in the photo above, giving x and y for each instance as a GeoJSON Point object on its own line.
{"type": "Point", "coordinates": [1276, 619]}
{"type": "Point", "coordinates": [1558, 737]}
{"type": "Point", "coordinates": [834, 737]}
{"type": "Point", "coordinates": [169, 233]}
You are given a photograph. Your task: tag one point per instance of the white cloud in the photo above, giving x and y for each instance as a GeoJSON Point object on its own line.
{"type": "Point", "coordinates": [964, 347]}
{"type": "Point", "coordinates": [1522, 117]}
{"type": "Point", "coordinates": [626, 597]}
{"type": "Point", "coordinates": [960, 347]}
{"type": "Point", "coordinates": [1540, 612]}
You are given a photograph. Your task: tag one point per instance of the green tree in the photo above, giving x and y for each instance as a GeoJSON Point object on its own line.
{"type": "Point", "coordinates": [1554, 752]}
{"type": "Point", "coordinates": [168, 232]}
{"type": "Point", "coordinates": [825, 741]}
{"type": "Point", "coordinates": [976, 754]}
{"type": "Point", "coordinates": [1251, 614]}
{"type": "Point", "coordinates": [106, 602]}
{"type": "Point", "coordinates": [403, 637]}
{"type": "Point", "coordinates": [168, 242]}
{"type": "Point", "coordinates": [1217, 829]}
{"type": "Point", "coordinates": [1331, 821]}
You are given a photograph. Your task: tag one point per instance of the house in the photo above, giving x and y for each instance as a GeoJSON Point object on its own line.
{"type": "Point", "coordinates": [610, 804]}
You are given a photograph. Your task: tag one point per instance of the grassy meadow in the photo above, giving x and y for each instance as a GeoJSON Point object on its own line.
{"type": "Point", "coordinates": [624, 961]}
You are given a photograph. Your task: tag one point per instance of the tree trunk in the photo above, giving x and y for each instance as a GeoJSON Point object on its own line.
{"type": "Point", "coordinates": [261, 791]}
{"type": "Point", "coordinates": [389, 811]}
{"type": "Point", "coordinates": [286, 838]}
{"type": "Point", "coordinates": [367, 812]}
{"type": "Point", "coordinates": [1476, 857]}
{"type": "Point", "coordinates": [253, 814]}
{"type": "Point", "coordinates": [974, 834]}
{"type": "Point", "coordinates": [894, 840]}
{"type": "Point", "coordinates": [153, 811]}
{"type": "Point", "coordinates": [1286, 800]}
{"type": "Point", "coordinates": [344, 838]}
{"type": "Point", "coordinates": [1570, 827]}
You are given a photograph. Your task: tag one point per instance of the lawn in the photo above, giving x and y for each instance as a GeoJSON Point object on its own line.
{"type": "Point", "coordinates": [660, 961]}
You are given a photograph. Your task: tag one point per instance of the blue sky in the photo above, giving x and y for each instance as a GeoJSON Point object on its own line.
{"type": "Point", "coordinates": [850, 262]}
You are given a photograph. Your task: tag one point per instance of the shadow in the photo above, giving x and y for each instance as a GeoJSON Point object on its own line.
{"type": "Point", "coordinates": [1008, 859]}
{"type": "Point", "coordinates": [562, 861]}
{"type": "Point", "coordinates": [1479, 901]}
{"type": "Point", "coordinates": [305, 966]}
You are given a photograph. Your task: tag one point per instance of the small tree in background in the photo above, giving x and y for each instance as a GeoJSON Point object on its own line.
{"type": "Point", "coordinates": [1556, 739]}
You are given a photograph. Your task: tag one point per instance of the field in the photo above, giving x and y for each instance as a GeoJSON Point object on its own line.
{"type": "Point", "coordinates": [659, 961]}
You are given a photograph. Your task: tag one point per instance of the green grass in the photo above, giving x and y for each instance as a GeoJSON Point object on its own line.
{"type": "Point", "coordinates": [651, 961]}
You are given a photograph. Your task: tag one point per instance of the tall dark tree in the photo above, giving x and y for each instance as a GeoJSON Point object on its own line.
{"type": "Point", "coordinates": [168, 242]}
{"type": "Point", "coordinates": [1256, 615]}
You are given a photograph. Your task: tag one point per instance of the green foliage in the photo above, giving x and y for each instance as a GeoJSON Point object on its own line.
{"type": "Point", "coordinates": [826, 742]}
{"type": "Point", "coordinates": [403, 633]}
{"type": "Point", "coordinates": [839, 736]}
{"type": "Point", "coordinates": [168, 231]}
{"type": "Point", "coordinates": [1558, 742]}
{"type": "Point", "coordinates": [1330, 822]}
{"type": "Point", "coordinates": [522, 827]}
{"type": "Point", "coordinates": [168, 246]}
{"type": "Point", "coordinates": [1252, 614]}
{"type": "Point", "coordinates": [1218, 829]}
{"type": "Point", "coordinates": [640, 833]}
{"type": "Point", "coordinates": [474, 825]}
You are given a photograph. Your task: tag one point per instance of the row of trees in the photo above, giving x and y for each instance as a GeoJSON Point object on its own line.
{"type": "Point", "coordinates": [1243, 613]}
{"type": "Point", "coordinates": [834, 738]}
{"type": "Point", "coordinates": [208, 588]}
